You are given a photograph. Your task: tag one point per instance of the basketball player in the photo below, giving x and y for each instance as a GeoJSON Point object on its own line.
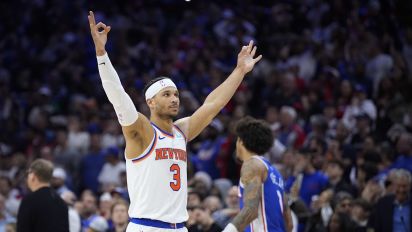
{"type": "Point", "coordinates": [156, 148]}
{"type": "Point", "coordinates": [262, 203]}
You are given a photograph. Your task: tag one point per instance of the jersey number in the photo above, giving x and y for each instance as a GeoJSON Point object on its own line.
{"type": "Point", "coordinates": [280, 197]}
{"type": "Point", "coordinates": [175, 184]}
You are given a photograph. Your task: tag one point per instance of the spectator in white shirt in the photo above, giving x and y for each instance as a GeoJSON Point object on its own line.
{"type": "Point", "coordinates": [109, 176]}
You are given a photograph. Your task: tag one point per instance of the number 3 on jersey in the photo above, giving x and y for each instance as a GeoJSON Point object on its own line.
{"type": "Point", "coordinates": [175, 185]}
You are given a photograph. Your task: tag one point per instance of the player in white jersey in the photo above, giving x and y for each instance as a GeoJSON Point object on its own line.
{"type": "Point", "coordinates": [263, 206]}
{"type": "Point", "coordinates": [156, 148]}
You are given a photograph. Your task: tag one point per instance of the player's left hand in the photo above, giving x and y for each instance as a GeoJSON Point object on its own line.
{"type": "Point", "coordinates": [245, 60]}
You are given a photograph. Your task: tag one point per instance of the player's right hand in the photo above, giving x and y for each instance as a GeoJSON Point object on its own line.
{"type": "Point", "coordinates": [99, 34]}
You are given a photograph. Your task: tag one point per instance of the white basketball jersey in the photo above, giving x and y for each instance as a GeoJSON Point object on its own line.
{"type": "Point", "coordinates": [157, 179]}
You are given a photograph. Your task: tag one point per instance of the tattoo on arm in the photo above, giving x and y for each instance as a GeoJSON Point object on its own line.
{"type": "Point", "coordinates": [251, 177]}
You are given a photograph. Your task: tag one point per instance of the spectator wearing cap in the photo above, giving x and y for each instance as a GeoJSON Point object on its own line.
{"type": "Point", "coordinates": [42, 210]}
{"type": "Point", "coordinates": [109, 176]}
{"type": "Point", "coordinates": [393, 212]}
{"type": "Point", "coordinates": [98, 224]}
{"type": "Point", "coordinates": [105, 205]}
{"type": "Point", "coordinates": [209, 150]}
{"type": "Point", "coordinates": [58, 180]}
{"type": "Point", "coordinates": [360, 105]}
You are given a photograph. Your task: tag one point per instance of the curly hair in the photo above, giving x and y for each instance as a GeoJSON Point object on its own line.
{"type": "Point", "coordinates": [255, 134]}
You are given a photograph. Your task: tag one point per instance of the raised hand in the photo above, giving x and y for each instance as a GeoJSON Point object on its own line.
{"type": "Point", "coordinates": [245, 60]}
{"type": "Point", "coordinates": [99, 34]}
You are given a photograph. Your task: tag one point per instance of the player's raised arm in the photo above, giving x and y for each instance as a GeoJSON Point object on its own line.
{"type": "Point", "coordinates": [252, 174]}
{"type": "Point", "coordinates": [136, 127]}
{"type": "Point", "coordinates": [219, 97]}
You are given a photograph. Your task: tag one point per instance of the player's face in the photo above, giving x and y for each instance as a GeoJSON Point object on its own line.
{"type": "Point", "coordinates": [239, 148]}
{"type": "Point", "coordinates": [166, 102]}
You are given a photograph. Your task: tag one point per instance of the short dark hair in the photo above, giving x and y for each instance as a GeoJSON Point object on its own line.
{"type": "Point", "coordinates": [151, 82]}
{"type": "Point", "coordinates": [43, 169]}
{"type": "Point", "coordinates": [255, 134]}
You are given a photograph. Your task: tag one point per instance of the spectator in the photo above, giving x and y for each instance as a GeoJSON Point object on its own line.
{"type": "Point", "coordinates": [334, 171]}
{"type": "Point", "coordinates": [290, 134]}
{"type": "Point", "coordinates": [92, 164]}
{"type": "Point", "coordinates": [74, 217]}
{"type": "Point", "coordinates": [393, 212]}
{"type": "Point", "coordinates": [204, 221]}
{"type": "Point", "coordinates": [12, 195]}
{"type": "Point", "coordinates": [212, 203]}
{"type": "Point", "coordinates": [109, 176]}
{"type": "Point", "coordinates": [105, 205]}
{"type": "Point", "coordinates": [225, 215]}
{"type": "Point", "coordinates": [88, 208]}
{"type": "Point", "coordinates": [313, 182]}
{"type": "Point", "coordinates": [98, 224]}
{"type": "Point", "coordinates": [119, 217]}
{"type": "Point", "coordinates": [360, 212]}
{"type": "Point", "coordinates": [58, 180]}
{"type": "Point", "coordinates": [5, 218]}
{"type": "Point", "coordinates": [209, 150]}
{"type": "Point", "coordinates": [42, 210]}
{"type": "Point", "coordinates": [340, 222]}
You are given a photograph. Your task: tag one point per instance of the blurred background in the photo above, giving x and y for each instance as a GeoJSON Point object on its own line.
{"type": "Point", "coordinates": [334, 83]}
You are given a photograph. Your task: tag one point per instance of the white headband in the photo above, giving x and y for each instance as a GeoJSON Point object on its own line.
{"type": "Point", "coordinates": [157, 86]}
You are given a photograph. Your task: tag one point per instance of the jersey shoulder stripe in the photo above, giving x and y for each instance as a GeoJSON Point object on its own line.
{"type": "Point", "coordinates": [261, 160]}
{"type": "Point", "coordinates": [147, 154]}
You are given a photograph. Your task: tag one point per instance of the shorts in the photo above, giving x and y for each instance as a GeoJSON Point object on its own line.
{"type": "Point", "coordinates": [132, 227]}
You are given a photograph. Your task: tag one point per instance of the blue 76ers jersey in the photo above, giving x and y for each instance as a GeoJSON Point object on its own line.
{"type": "Point", "coordinates": [270, 215]}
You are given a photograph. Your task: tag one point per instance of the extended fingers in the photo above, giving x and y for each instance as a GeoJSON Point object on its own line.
{"type": "Point", "coordinates": [250, 46]}
{"type": "Point", "coordinates": [253, 52]}
{"type": "Point", "coordinates": [92, 20]}
{"type": "Point", "coordinates": [257, 59]}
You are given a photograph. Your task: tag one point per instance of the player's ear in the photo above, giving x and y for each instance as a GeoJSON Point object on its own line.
{"type": "Point", "coordinates": [150, 102]}
{"type": "Point", "coordinates": [239, 141]}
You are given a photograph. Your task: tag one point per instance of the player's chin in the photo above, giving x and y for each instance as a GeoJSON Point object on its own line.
{"type": "Point", "coordinates": [173, 114]}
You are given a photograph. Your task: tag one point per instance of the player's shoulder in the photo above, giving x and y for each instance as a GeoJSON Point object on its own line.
{"type": "Point", "coordinates": [253, 165]}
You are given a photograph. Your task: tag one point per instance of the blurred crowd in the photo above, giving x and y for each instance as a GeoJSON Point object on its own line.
{"type": "Point", "coordinates": [334, 84]}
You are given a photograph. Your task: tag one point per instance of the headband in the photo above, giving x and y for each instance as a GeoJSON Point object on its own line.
{"type": "Point", "coordinates": [157, 86]}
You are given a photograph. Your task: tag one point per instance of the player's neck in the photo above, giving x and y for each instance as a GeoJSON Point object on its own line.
{"type": "Point", "coordinates": [164, 124]}
{"type": "Point", "coordinates": [248, 155]}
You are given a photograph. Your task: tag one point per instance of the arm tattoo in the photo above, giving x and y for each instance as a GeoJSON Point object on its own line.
{"type": "Point", "coordinates": [251, 176]}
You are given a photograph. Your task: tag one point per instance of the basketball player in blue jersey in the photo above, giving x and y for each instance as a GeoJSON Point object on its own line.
{"type": "Point", "coordinates": [263, 207]}
{"type": "Point", "coordinates": [155, 151]}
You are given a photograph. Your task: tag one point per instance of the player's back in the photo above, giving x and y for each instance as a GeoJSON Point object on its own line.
{"type": "Point", "coordinates": [270, 215]}
{"type": "Point", "coordinates": [157, 179]}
